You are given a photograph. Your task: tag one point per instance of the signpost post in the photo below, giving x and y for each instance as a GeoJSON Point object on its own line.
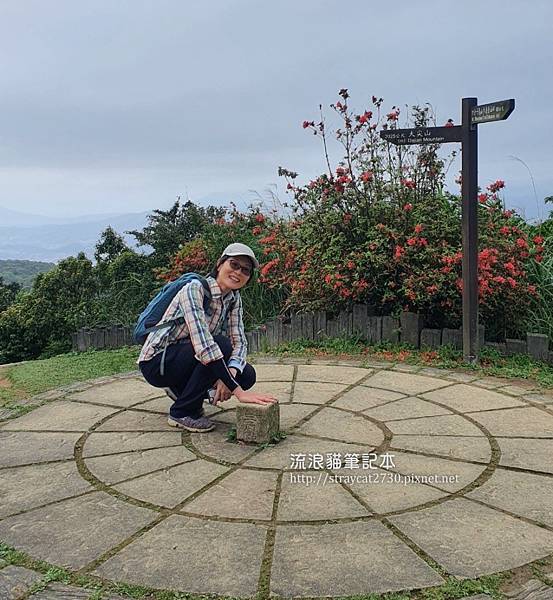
{"type": "Point", "coordinates": [467, 134]}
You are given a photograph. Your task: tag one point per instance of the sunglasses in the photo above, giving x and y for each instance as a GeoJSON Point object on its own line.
{"type": "Point", "coordinates": [236, 266]}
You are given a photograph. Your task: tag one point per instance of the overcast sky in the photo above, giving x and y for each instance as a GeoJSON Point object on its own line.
{"type": "Point", "coordinates": [120, 106]}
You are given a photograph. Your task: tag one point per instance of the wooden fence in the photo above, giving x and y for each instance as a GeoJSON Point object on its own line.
{"type": "Point", "coordinates": [409, 328]}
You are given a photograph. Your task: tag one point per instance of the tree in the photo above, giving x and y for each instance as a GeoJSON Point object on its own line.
{"type": "Point", "coordinates": [167, 230]}
{"type": "Point", "coordinates": [8, 293]}
{"type": "Point", "coordinates": [109, 246]}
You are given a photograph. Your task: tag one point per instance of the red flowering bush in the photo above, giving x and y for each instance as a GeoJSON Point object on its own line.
{"type": "Point", "coordinates": [379, 229]}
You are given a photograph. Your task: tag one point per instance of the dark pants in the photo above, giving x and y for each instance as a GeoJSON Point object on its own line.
{"type": "Point", "coordinates": [188, 377]}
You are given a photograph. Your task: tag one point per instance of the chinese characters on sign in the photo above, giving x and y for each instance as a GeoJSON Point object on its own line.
{"type": "Point", "coordinates": [335, 460]}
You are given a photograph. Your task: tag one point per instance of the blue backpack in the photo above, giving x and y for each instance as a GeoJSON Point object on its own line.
{"type": "Point", "coordinates": [150, 317]}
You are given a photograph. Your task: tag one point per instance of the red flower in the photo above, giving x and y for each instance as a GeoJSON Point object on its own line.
{"type": "Point", "coordinates": [407, 207]}
{"type": "Point", "coordinates": [499, 279]}
{"type": "Point", "coordinates": [351, 264]}
{"type": "Point", "coordinates": [260, 218]}
{"type": "Point", "coordinates": [482, 198]}
{"type": "Point", "coordinates": [411, 241]}
{"type": "Point", "coordinates": [423, 242]}
{"type": "Point", "coordinates": [521, 243]}
{"type": "Point", "coordinates": [507, 213]}
{"type": "Point", "coordinates": [307, 124]}
{"type": "Point", "coordinates": [449, 123]}
{"type": "Point", "coordinates": [505, 230]}
{"type": "Point", "coordinates": [408, 183]}
{"type": "Point", "coordinates": [432, 288]}
{"type": "Point", "coordinates": [367, 176]}
{"type": "Point", "coordinates": [256, 230]}
{"type": "Point", "coordinates": [328, 279]}
{"type": "Point", "coordinates": [393, 116]}
{"type": "Point", "coordinates": [538, 258]}
{"type": "Point", "coordinates": [418, 228]}
{"type": "Point", "coordinates": [538, 239]}
{"type": "Point", "coordinates": [347, 218]}
{"type": "Point", "coordinates": [496, 186]}
{"type": "Point", "coordinates": [398, 252]}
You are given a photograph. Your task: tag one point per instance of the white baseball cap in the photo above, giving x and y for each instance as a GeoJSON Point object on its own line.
{"type": "Point", "coordinates": [238, 249]}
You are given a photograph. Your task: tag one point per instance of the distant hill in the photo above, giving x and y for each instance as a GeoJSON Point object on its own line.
{"type": "Point", "coordinates": [23, 272]}
{"type": "Point", "coordinates": [27, 237]}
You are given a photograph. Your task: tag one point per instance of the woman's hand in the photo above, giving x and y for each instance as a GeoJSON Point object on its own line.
{"type": "Point", "coordinates": [222, 393]}
{"type": "Point", "coordinates": [254, 397]}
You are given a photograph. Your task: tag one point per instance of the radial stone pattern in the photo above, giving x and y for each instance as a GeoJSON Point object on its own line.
{"type": "Point", "coordinates": [386, 480]}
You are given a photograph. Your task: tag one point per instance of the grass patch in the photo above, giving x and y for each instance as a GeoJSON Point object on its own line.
{"type": "Point", "coordinates": [34, 377]}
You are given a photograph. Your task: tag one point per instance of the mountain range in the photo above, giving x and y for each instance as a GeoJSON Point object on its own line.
{"type": "Point", "coordinates": [36, 237]}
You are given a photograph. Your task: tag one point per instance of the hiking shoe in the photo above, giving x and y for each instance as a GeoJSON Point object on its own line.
{"type": "Point", "coordinates": [170, 393]}
{"type": "Point", "coordinates": [199, 424]}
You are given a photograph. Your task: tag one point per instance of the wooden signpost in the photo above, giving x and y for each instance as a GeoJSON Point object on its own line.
{"type": "Point", "coordinates": [467, 134]}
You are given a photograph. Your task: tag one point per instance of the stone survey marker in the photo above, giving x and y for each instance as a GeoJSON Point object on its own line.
{"type": "Point", "coordinates": [257, 423]}
{"type": "Point", "coordinates": [96, 481]}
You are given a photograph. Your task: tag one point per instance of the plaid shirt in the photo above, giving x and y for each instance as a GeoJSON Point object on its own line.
{"type": "Point", "coordinates": [199, 327]}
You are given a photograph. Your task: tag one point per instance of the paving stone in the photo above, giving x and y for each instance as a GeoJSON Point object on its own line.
{"type": "Point", "coordinates": [160, 405]}
{"type": "Point", "coordinates": [28, 487]}
{"type": "Point", "coordinates": [546, 398]}
{"type": "Point", "coordinates": [440, 425]}
{"type": "Point", "coordinates": [25, 447]}
{"type": "Point", "coordinates": [123, 393]}
{"type": "Point", "coordinates": [316, 393]}
{"type": "Point", "coordinates": [274, 372]}
{"type": "Point", "coordinates": [291, 414]}
{"type": "Point", "coordinates": [59, 416]}
{"type": "Point", "coordinates": [532, 590]}
{"type": "Point", "coordinates": [320, 373]}
{"type": "Point", "coordinates": [457, 474]}
{"type": "Point", "coordinates": [523, 494]}
{"type": "Point", "coordinates": [281, 391]}
{"type": "Point", "coordinates": [216, 445]}
{"type": "Point", "coordinates": [467, 448]}
{"type": "Point", "coordinates": [172, 485]}
{"type": "Point", "coordinates": [465, 398]}
{"type": "Point", "coordinates": [434, 372]}
{"type": "Point", "coordinates": [340, 425]}
{"type": "Point", "coordinates": [99, 443]}
{"type": "Point", "coordinates": [242, 494]}
{"type": "Point", "coordinates": [305, 496]}
{"type": "Point", "coordinates": [490, 382]}
{"type": "Point", "coordinates": [517, 422]}
{"type": "Point", "coordinates": [406, 383]}
{"type": "Point", "coordinates": [462, 377]}
{"type": "Point", "coordinates": [384, 491]}
{"type": "Point", "coordinates": [362, 398]}
{"type": "Point", "coordinates": [58, 591]}
{"type": "Point", "coordinates": [477, 597]}
{"type": "Point", "coordinates": [225, 557]}
{"type": "Point", "coordinates": [74, 532]}
{"type": "Point", "coordinates": [345, 559]}
{"type": "Point", "coordinates": [117, 467]}
{"type": "Point", "coordinates": [471, 540]}
{"type": "Point", "coordinates": [16, 581]}
{"type": "Point", "coordinates": [531, 454]}
{"type": "Point", "coordinates": [406, 408]}
{"type": "Point", "coordinates": [403, 368]}
{"type": "Point", "coordinates": [132, 420]}
{"type": "Point", "coordinates": [279, 456]}
{"type": "Point", "coordinates": [513, 390]}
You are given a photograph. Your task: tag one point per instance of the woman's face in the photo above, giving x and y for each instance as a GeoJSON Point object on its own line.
{"type": "Point", "coordinates": [232, 273]}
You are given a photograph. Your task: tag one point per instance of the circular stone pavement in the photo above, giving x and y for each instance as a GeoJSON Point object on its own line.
{"type": "Point", "coordinates": [390, 478]}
